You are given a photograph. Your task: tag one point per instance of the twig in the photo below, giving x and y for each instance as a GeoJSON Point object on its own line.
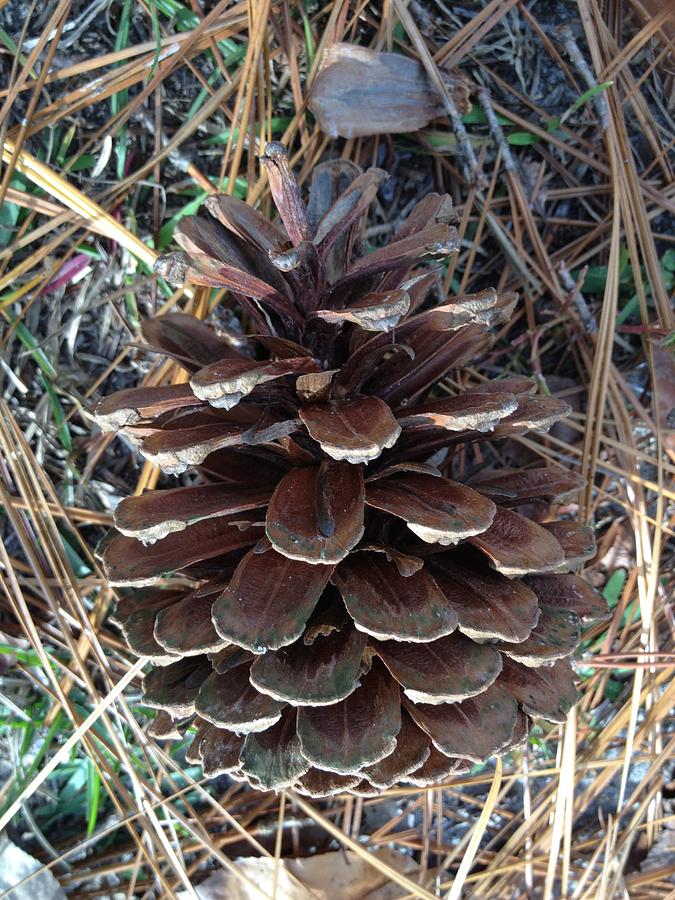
{"type": "Point", "coordinates": [574, 287]}
{"type": "Point", "coordinates": [496, 130]}
{"type": "Point", "coordinates": [564, 32]}
{"type": "Point", "coordinates": [432, 71]}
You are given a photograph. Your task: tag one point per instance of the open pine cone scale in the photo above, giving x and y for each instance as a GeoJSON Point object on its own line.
{"type": "Point", "coordinates": [339, 607]}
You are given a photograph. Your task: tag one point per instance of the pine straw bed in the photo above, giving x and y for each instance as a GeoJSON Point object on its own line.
{"type": "Point", "coordinates": [570, 203]}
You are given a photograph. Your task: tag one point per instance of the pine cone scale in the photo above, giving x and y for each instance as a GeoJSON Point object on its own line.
{"type": "Point", "coordinates": [269, 600]}
{"type": "Point", "coordinates": [316, 675]}
{"type": "Point", "coordinates": [386, 604]}
{"type": "Point", "coordinates": [447, 670]}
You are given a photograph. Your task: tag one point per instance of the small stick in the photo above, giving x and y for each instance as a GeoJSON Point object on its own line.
{"type": "Point", "coordinates": [432, 71]}
{"type": "Point", "coordinates": [564, 33]}
{"type": "Point", "coordinates": [496, 130]}
{"type": "Point", "coordinates": [578, 298]}
{"type": "Point", "coordinates": [464, 142]}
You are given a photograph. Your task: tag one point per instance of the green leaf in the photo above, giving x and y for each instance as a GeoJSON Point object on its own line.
{"type": "Point", "coordinates": [119, 100]}
{"type": "Point", "coordinates": [279, 125]}
{"type": "Point", "coordinates": [79, 566]}
{"type": "Point", "coordinates": [476, 116]}
{"type": "Point", "coordinates": [309, 41]}
{"type": "Point", "coordinates": [165, 236]}
{"type": "Point", "coordinates": [522, 138]}
{"type": "Point", "coordinates": [132, 309]}
{"type": "Point", "coordinates": [58, 727]}
{"type": "Point", "coordinates": [184, 18]}
{"type": "Point", "coordinates": [66, 141]}
{"type": "Point", "coordinates": [585, 97]}
{"type": "Point", "coordinates": [595, 280]}
{"type": "Point", "coordinates": [614, 587]}
{"type": "Point", "coordinates": [30, 344]}
{"type": "Point", "coordinates": [157, 34]}
{"type": "Point", "coordinates": [58, 416]}
{"type": "Point", "coordinates": [75, 782]}
{"type": "Point", "coordinates": [85, 161]}
{"type": "Point", "coordinates": [596, 277]}
{"type": "Point", "coordinates": [28, 735]}
{"type": "Point", "coordinates": [89, 251]}
{"type": "Point", "coordinates": [590, 93]}
{"type": "Point", "coordinates": [9, 216]}
{"type": "Point", "coordinates": [446, 141]}
{"type": "Point", "coordinates": [27, 657]}
{"type": "Point", "coordinates": [93, 796]}
{"type": "Point", "coordinates": [614, 688]}
{"type": "Point", "coordinates": [624, 259]}
{"type": "Point", "coordinates": [668, 260]}
{"type": "Point", "coordinates": [121, 153]}
{"type": "Point", "coordinates": [628, 310]}
{"type": "Point", "coordinates": [11, 45]}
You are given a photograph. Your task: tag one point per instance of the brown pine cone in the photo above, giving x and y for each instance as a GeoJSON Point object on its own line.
{"type": "Point", "coordinates": [345, 612]}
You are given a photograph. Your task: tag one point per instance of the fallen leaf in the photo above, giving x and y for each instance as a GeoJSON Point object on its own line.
{"type": "Point", "coordinates": [341, 873]}
{"type": "Point", "coordinates": [360, 92]}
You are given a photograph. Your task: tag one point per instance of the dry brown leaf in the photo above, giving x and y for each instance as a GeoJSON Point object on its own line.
{"type": "Point", "coordinates": [340, 874]}
{"type": "Point", "coordinates": [361, 92]}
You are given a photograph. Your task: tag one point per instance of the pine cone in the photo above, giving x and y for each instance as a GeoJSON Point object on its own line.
{"type": "Point", "coordinates": [347, 609]}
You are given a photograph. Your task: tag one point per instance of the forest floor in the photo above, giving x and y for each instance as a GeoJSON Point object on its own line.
{"type": "Point", "coordinates": [117, 118]}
